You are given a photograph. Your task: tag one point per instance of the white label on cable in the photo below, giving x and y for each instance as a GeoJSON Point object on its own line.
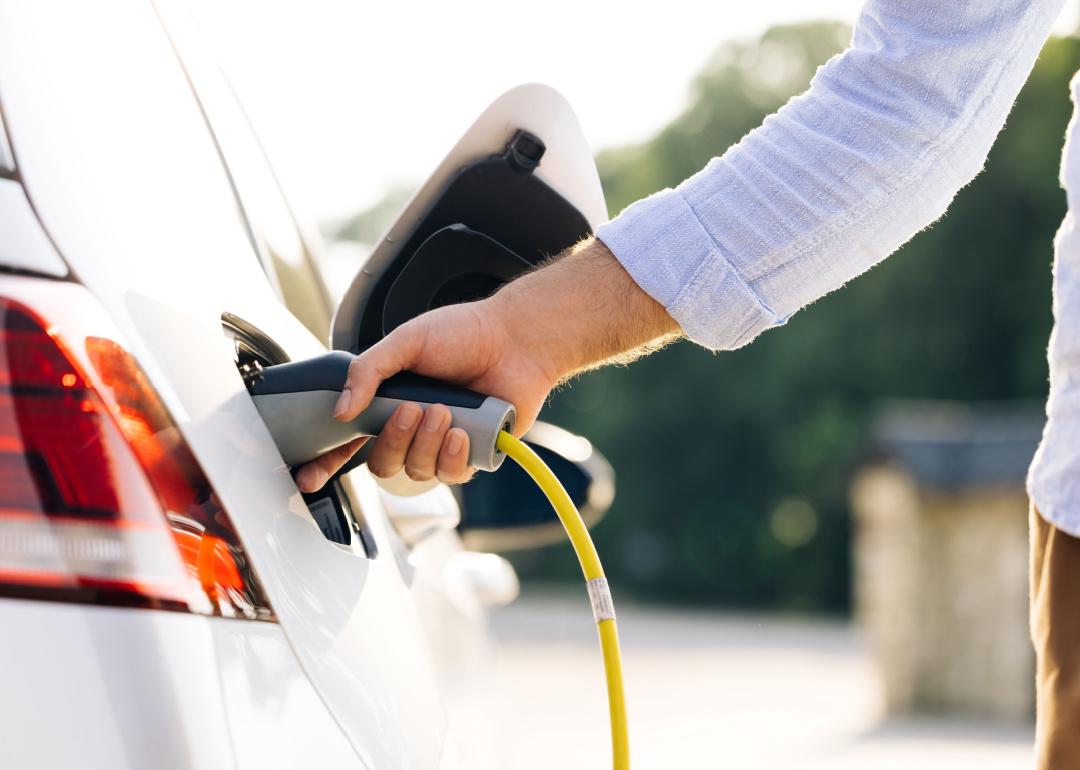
{"type": "Point", "coordinates": [600, 597]}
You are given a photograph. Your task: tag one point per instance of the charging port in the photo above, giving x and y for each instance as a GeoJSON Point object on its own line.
{"type": "Point", "coordinates": [329, 507]}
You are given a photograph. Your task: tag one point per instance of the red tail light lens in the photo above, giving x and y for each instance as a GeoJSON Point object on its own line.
{"type": "Point", "coordinates": [101, 499]}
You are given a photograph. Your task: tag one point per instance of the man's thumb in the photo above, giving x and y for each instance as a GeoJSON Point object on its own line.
{"type": "Point", "coordinates": [384, 359]}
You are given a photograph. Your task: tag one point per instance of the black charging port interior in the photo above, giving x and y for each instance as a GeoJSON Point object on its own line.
{"type": "Point", "coordinates": [328, 511]}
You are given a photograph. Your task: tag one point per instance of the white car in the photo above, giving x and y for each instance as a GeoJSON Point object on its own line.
{"type": "Point", "coordinates": [168, 598]}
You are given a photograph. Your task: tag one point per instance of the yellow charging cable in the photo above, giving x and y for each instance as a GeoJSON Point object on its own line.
{"type": "Point", "coordinates": [599, 593]}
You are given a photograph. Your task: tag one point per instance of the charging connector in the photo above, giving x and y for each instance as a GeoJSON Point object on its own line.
{"type": "Point", "coordinates": [296, 401]}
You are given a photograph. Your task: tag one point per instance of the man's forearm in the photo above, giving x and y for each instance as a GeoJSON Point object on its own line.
{"type": "Point", "coordinates": [841, 176]}
{"type": "Point", "coordinates": [583, 310]}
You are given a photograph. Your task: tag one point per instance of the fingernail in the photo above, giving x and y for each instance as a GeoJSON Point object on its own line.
{"type": "Point", "coordinates": [434, 421]}
{"type": "Point", "coordinates": [311, 481]}
{"type": "Point", "coordinates": [455, 444]}
{"type": "Point", "coordinates": [407, 416]}
{"type": "Point", "coordinates": [342, 402]}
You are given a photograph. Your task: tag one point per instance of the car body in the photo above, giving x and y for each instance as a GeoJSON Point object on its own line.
{"type": "Point", "coordinates": [145, 245]}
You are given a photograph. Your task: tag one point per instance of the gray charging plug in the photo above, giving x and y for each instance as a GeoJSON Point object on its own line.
{"type": "Point", "coordinates": [296, 401]}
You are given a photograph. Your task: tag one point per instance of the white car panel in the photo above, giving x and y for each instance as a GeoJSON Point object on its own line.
{"type": "Point", "coordinates": [276, 719]}
{"type": "Point", "coordinates": [109, 688]}
{"type": "Point", "coordinates": [23, 244]}
{"type": "Point", "coordinates": [7, 160]}
{"type": "Point", "coordinates": [133, 688]}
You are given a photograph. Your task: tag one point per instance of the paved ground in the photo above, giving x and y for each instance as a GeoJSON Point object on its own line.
{"type": "Point", "coordinates": [716, 691]}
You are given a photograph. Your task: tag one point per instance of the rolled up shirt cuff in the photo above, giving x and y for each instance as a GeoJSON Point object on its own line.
{"type": "Point", "coordinates": [660, 242]}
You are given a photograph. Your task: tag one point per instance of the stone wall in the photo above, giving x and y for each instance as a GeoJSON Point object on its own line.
{"type": "Point", "coordinates": [941, 593]}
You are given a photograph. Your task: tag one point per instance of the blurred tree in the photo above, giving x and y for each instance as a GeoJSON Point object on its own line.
{"type": "Point", "coordinates": [733, 469]}
{"type": "Point", "coordinates": [369, 224]}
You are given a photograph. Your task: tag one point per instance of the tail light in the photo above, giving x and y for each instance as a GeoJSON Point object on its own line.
{"type": "Point", "coordinates": [101, 500]}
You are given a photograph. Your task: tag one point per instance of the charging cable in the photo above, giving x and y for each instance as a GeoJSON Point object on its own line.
{"type": "Point", "coordinates": [599, 593]}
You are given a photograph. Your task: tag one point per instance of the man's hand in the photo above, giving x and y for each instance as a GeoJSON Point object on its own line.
{"type": "Point", "coordinates": [575, 313]}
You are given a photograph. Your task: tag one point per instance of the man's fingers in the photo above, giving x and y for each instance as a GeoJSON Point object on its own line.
{"type": "Point", "coordinates": [423, 456]}
{"type": "Point", "coordinates": [453, 464]}
{"type": "Point", "coordinates": [388, 454]}
{"type": "Point", "coordinates": [312, 476]}
{"type": "Point", "coordinates": [390, 355]}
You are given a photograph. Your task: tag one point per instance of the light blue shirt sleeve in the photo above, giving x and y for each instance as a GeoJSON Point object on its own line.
{"type": "Point", "coordinates": [842, 175]}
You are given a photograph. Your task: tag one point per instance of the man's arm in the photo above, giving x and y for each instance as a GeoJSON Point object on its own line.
{"type": "Point", "coordinates": [578, 312]}
{"type": "Point", "coordinates": [827, 187]}
{"type": "Point", "coordinates": [841, 176]}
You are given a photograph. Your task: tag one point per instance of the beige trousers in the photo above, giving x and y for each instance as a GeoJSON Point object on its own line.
{"type": "Point", "coordinates": [1055, 632]}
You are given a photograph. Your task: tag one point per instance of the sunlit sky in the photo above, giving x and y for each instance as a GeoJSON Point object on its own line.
{"type": "Point", "coordinates": [353, 98]}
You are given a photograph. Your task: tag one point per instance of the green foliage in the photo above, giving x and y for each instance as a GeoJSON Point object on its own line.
{"type": "Point", "coordinates": [733, 469]}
